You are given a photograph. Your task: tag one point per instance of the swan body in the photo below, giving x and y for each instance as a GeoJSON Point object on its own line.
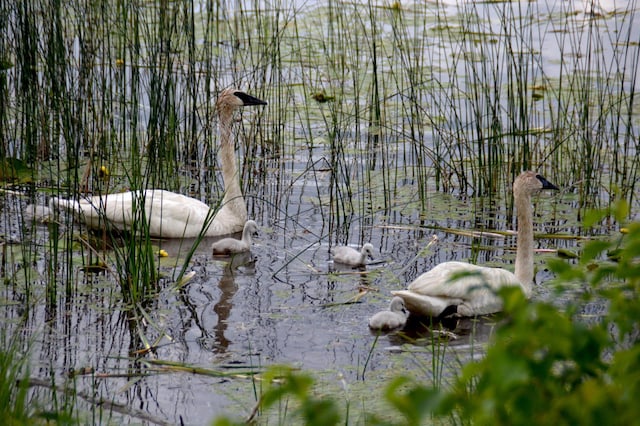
{"type": "Point", "coordinates": [394, 317]}
{"type": "Point", "coordinates": [350, 256]}
{"type": "Point", "coordinates": [598, 7]}
{"type": "Point", "coordinates": [463, 289]}
{"type": "Point", "coordinates": [227, 246]}
{"type": "Point", "coordinates": [172, 215]}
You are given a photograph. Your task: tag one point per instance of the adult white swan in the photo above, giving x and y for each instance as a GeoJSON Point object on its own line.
{"type": "Point", "coordinates": [171, 215]}
{"type": "Point", "coordinates": [462, 289]}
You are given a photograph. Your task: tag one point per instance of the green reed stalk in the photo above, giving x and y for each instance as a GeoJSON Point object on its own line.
{"type": "Point", "coordinates": [341, 190]}
{"type": "Point", "coordinates": [6, 64]}
{"type": "Point", "coordinates": [438, 346]}
{"type": "Point", "coordinates": [366, 362]}
{"type": "Point", "coordinates": [15, 404]}
{"type": "Point", "coordinates": [590, 98]}
{"type": "Point", "coordinates": [366, 182]}
{"type": "Point", "coordinates": [375, 119]}
{"type": "Point", "coordinates": [412, 79]}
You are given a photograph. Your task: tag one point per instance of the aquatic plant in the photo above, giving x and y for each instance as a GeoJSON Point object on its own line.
{"type": "Point", "coordinates": [19, 403]}
{"type": "Point", "coordinates": [14, 402]}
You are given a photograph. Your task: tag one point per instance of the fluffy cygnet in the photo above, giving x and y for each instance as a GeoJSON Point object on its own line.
{"type": "Point", "coordinates": [395, 317]}
{"type": "Point", "coordinates": [351, 256]}
{"type": "Point", "coordinates": [37, 213]}
{"type": "Point", "coordinates": [227, 246]}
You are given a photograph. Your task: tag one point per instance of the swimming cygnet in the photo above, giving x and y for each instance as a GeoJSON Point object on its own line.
{"type": "Point", "coordinates": [37, 213]}
{"type": "Point", "coordinates": [394, 317]}
{"type": "Point", "coordinates": [351, 256]}
{"type": "Point", "coordinates": [231, 245]}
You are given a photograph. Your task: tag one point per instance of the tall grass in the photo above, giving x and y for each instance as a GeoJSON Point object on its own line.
{"type": "Point", "coordinates": [458, 98]}
{"type": "Point", "coordinates": [482, 78]}
{"type": "Point", "coordinates": [13, 389]}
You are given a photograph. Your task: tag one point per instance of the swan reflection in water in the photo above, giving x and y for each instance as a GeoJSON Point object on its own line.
{"type": "Point", "coordinates": [228, 289]}
{"type": "Point", "coordinates": [200, 325]}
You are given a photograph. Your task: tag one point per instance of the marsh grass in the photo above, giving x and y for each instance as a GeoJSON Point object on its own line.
{"type": "Point", "coordinates": [478, 104]}
{"type": "Point", "coordinates": [395, 101]}
{"type": "Point", "coordinates": [13, 389]}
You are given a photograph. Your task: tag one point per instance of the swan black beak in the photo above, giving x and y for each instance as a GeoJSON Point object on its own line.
{"type": "Point", "coordinates": [248, 99]}
{"type": "Point", "coordinates": [546, 184]}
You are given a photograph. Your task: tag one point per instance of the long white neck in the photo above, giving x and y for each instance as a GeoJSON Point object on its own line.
{"type": "Point", "coordinates": [246, 236]}
{"type": "Point", "coordinates": [233, 201]}
{"type": "Point", "coordinates": [364, 252]}
{"type": "Point", "coordinates": [525, 245]}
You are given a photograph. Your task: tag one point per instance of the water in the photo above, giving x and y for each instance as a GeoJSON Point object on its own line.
{"type": "Point", "coordinates": [286, 302]}
{"type": "Point", "coordinates": [282, 304]}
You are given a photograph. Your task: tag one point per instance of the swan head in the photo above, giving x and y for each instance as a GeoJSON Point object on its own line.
{"type": "Point", "coordinates": [232, 98]}
{"type": "Point", "coordinates": [251, 227]}
{"type": "Point", "coordinates": [397, 306]}
{"type": "Point", "coordinates": [367, 250]}
{"type": "Point", "coordinates": [529, 183]}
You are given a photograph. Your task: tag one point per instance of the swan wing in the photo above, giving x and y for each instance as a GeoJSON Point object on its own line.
{"type": "Point", "coordinates": [460, 279]}
{"type": "Point", "coordinates": [169, 215]}
{"type": "Point", "coordinates": [101, 211]}
{"type": "Point", "coordinates": [471, 288]}
{"type": "Point", "coordinates": [174, 215]}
